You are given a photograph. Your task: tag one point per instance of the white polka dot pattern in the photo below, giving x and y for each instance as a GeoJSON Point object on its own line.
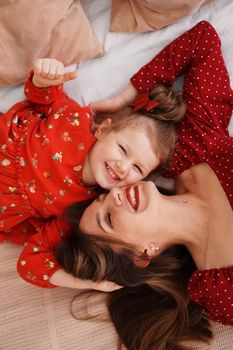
{"type": "Point", "coordinates": [202, 136]}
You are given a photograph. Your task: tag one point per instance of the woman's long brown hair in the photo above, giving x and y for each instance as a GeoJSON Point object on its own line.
{"type": "Point", "coordinates": [153, 310]}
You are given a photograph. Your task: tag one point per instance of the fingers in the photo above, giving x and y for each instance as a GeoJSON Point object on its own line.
{"type": "Point", "coordinates": [49, 68]}
{"type": "Point", "coordinates": [107, 286]}
{"type": "Point", "coordinates": [50, 72]}
{"type": "Point", "coordinates": [92, 106]}
{"type": "Point", "coordinates": [69, 76]}
{"type": "Point", "coordinates": [108, 105]}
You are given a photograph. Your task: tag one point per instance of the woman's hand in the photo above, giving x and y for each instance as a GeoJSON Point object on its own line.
{"type": "Point", "coordinates": [50, 72]}
{"type": "Point", "coordinates": [115, 103]}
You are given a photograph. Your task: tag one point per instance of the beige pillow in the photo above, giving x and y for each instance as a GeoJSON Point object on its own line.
{"type": "Point", "coordinates": [149, 15]}
{"type": "Point", "coordinates": [41, 28]}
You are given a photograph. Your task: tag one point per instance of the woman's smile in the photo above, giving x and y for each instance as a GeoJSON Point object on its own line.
{"type": "Point", "coordinates": [132, 195]}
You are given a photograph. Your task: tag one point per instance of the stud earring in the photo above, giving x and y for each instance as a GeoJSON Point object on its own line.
{"type": "Point", "coordinates": [153, 248]}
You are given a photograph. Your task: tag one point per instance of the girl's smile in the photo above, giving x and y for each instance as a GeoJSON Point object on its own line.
{"type": "Point", "coordinates": [119, 158]}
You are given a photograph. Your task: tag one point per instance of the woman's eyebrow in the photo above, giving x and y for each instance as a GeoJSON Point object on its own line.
{"type": "Point", "coordinates": [99, 222]}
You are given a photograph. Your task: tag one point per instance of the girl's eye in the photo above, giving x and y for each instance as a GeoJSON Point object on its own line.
{"type": "Point", "coordinates": [109, 219]}
{"type": "Point", "coordinates": [138, 169]}
{"type": "Point", "coordinates": [123, 149]}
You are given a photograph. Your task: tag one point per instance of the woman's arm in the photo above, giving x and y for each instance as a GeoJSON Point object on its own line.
{"type": "Point", "coordinates": [197, 54]}
{"type": "Point", "coordinates": [182, 55]}
{"type": "Point", "coordinates": [192, 53]}
{"type": "Point", "coordinates": [212, 289]}
{"type": "Point", "coordinates": [115, 103]}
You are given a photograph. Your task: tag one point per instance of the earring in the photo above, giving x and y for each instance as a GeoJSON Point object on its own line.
{"type": "Point", "coordinates": [153, 248]}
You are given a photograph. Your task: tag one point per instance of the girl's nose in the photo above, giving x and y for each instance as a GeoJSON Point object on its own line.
{"type": "Point", "coordinates": [116, 196]}
{"type": "Point", "coordinates": [122, 166]}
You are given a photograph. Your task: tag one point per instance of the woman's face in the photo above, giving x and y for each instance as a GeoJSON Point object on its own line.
{"type": "Point", "coordinates": [125, 214]}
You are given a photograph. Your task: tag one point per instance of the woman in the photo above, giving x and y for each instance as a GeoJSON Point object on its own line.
{"type": "Point", "coordinates": [133, 236]}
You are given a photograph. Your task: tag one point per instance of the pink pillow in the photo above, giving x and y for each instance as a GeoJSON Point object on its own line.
{"type": "Point", "coordinates": [42, 28]}
{"type": "Point", "coordinates": [149, 15]}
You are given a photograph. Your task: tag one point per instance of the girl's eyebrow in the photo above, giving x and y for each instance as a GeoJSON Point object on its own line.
{"type": "Point", "coordinates": [99, 222]}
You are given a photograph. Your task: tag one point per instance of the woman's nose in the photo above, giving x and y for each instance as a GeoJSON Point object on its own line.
{"type": "Point", "coordinates": [116, 196]}
{"type": "Point", "coordinates": [102, 197]}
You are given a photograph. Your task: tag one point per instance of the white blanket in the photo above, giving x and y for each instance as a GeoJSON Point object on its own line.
{"type": "Point", "coordinates": [33, 318]}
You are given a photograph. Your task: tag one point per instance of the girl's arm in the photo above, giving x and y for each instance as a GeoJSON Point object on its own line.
{"type": "Point", "coordinates": [196, 54]}
{"type": "Point", "coordinates": [50, 72]}
{"type": "Point", "coordinates": [37, 263]}
{"type": "Point", "coordinates": [44, 86]}
{"type": "Point", "coordinates": [61, 278]}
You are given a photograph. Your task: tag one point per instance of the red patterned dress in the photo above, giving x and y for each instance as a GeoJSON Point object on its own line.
{"type": "Point", "coordinates": [44, 141]}
{"type": "Point", "coordinates": [202, 137]}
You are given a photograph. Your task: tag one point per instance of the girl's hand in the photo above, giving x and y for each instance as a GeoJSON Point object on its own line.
{"type": "Point", "coordinates": [103, 286]}
{"type": "Point", "coordinates": [50, 72]}
{"type": "Point", "coordinates": [62, 278]}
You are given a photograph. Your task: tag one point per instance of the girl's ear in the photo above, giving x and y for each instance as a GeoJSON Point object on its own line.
{"type": "Point", "coordinates": [103, 128]}
{"type": "Point", "coordinates": [142, 260]}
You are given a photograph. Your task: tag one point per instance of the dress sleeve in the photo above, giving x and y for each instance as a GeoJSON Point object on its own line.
{"type": "Point", "coordinates": [37, 262]}
{"type": "Point", "coordinates": [42, 96]}
{"type": "Point", "coordinates": [213, 290]}
{"type": "Point", "coordinates": [196, 54]}
{"type": "Point", "coordinates": [51, 99]}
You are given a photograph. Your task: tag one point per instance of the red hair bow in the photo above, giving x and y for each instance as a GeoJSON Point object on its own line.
{"type": "Point", "coordinates": [143, 101]}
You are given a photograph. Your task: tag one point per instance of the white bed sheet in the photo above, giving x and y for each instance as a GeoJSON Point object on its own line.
{"type": "Point", "coordinates": [32, 318]}
{"type": "Point", "coordinates": [126, 52]}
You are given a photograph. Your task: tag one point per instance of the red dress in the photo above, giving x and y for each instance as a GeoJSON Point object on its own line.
{"type": "Point", "coordinates": [44, 141]}
{"type": "Point", "coordinates": [202, 137]}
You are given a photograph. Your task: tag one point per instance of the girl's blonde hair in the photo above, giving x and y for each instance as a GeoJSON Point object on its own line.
{"type": "Point", "coordinates": [159, 123]}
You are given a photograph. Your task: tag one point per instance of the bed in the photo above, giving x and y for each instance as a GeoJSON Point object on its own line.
{"type": "Point", "coordinates": [35, 318]}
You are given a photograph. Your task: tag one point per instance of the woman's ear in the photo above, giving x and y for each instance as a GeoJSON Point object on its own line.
{"type": "Point", "coordinates": [142, 260]}
{"type": "Point", "coordinates": [103, 128]}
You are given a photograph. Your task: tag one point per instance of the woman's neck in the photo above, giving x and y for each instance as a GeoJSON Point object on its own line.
{"type": "Point", "coordinates": [186, 223]}
{"type": "Point", "coordinates": [212, 217]}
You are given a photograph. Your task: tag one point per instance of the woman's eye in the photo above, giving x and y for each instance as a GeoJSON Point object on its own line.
{"type": "Point", "coordinates": [123, 149]}
{"type": "Point", "coordinates": [109, 219]}
{"type": "Point", "coordinates": [138, 169]}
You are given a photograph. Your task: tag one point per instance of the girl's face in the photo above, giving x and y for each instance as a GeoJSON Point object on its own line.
{"type": "Point", "coordinates": [126, 214]}
{"type": "Point", "coordinates": [121, 158]}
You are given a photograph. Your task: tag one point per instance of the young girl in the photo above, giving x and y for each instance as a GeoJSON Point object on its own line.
{"type": "Point", "coordinates": [49, 157]}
